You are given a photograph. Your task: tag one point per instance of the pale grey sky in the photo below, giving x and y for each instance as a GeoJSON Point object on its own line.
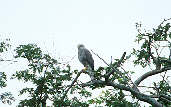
{"type": "Point", "coordinates": [105, 26]}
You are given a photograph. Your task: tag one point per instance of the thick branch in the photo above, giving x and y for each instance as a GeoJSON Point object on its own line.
{"type": "Point", "coordinates": [150, 73]}
{"type": "Point", "coordinates": [166, 98]}
{"type": "Point", "coordinates": [137, 94]}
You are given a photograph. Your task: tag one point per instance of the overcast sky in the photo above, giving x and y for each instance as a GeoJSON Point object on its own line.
{"type": "Point", "coordinates": [105, 26]}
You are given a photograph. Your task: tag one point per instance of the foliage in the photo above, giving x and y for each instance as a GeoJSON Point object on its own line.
{"type": "Point", "coordinates": [5, 97]}
{"type": "Point", "coordinates": [162, 88]}
{"type": "Point", "coordinates": [151, 45]}
{"type": "Point", "coordinates": [151, 53]}
{"type": "Point", "coordinates": [4, 45]}
{"type": "Point", "coordinates": [113, 98]}
{"type": "Point", "coordinates": [45, 74]}
{"type": "Point", "coordinates": [3, 79]}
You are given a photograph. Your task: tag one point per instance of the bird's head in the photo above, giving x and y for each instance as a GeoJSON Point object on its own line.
{"type": "Point", "coordinates": [80, 46]}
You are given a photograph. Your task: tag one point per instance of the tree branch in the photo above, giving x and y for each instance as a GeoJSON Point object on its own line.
{"type": "Point", "coordinates": [164, 21]}
{"type": "Point", "coordinates": [117, 65]}
{"type": "Point", "coordinates": [100, 58]}
{"type": "Point", "coordinates": [113, 68]}
{"type": "Point", "coordinates": [71, 84]}
{"type": "Point", "coordinates": [163, 97]}
{"type": "Point", "coordinates": [138, 95]}
{"type": "Point", "coordinates": [150, 73]}
{"type": "Point", "coordinates": [8, 60]}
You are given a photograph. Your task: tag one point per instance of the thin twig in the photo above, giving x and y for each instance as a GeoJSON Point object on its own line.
{"type": "Point", "coordinates": [71, 84]}
{"type": "Point", "coordinates": [111, 60]}
{"type": "Point", "coordinates": [113, 68]}
{"type": "Point", "coordinates": [164, 21]}
{"type": "Point", "coordinates": [117, 65]}
{"type": "Point", "coordinates": [120, 61]}
{"type": "Point", "coordinates": [128, 76]}
{"type": "Point", "coordinates": [7, 60]}
{"type": "Point", "coordinates": [145, 86]}
{"type": "Point", "coordinates": [100, 58]}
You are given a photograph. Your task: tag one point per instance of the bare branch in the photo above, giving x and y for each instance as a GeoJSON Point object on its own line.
{"type": "Point", "coordinates": [150, 73]}
{"type": "Point", "coordinates": [100, 58]}
{"type": "Point", "coordinates": [8, 60]}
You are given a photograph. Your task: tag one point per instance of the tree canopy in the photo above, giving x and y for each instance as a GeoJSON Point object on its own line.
{"type": "Point", "coordinates": [62, 86]}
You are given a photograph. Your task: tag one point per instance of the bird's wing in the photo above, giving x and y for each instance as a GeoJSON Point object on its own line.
{"type": "Point", "coordinates": [89, 58]}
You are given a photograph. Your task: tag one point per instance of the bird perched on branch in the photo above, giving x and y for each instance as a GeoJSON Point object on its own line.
{"type": "Point", "coordinates": [85, 57]}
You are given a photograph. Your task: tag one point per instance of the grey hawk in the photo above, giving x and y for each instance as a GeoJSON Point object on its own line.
{"type": "Point", "coordinates": [85, 57]}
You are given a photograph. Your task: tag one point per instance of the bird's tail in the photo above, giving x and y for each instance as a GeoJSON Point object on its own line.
{"type": "Point", "coordinates": [90, 72]}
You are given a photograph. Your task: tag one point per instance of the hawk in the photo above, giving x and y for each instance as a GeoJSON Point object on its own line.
{"type": "Point", "coordinates": [85, 57]}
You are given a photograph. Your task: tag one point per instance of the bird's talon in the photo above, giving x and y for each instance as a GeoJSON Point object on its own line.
{"type": "Point", "coordinates": [85, 69]}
